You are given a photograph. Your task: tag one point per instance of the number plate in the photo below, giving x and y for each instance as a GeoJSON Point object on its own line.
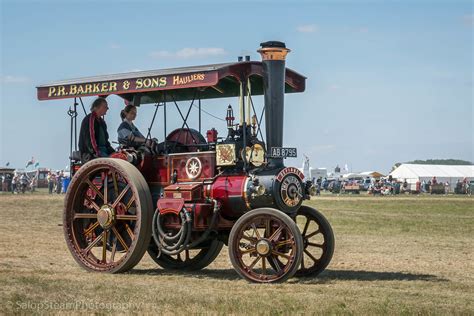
{"type": "Point", "coordinates": [283, 152]}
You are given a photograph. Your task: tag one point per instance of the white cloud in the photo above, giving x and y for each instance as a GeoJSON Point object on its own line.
{"type": "Point", "coordinates": [309, 28]}
{"type": "Point", "coordinates": [188, 52]}
{"type": "Point", "coordinates": [363, 29]}
{"type": "Point", "coordinates": [14, 79]}
{"type": "Point", "coordinates": [114, 46]}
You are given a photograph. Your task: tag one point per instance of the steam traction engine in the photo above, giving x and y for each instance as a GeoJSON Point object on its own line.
{"type": "Point", "coordinates": [184, 203]}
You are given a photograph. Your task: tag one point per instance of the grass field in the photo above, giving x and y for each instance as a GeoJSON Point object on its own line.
{"type": "Point", "coordinates": [394, 255]}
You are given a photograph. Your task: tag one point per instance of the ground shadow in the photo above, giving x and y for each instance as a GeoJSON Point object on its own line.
{"type": "Point", "coordinates": [362, 275]}
{"type": "Point", "coordinates": [324, 277]}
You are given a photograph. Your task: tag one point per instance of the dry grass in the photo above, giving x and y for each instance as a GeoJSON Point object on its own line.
{"type": "Point", "coordinates": [401, 255]}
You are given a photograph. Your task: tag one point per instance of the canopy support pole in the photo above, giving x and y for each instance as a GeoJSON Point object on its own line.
{"type": "Point", "coordinates": [199, 96]}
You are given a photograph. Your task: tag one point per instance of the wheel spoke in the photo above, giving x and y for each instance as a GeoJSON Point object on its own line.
{"type": "Point", "coordinates": [251, 250]}
{"type": "Point", "coordinates": [316, 245]}
{"type": "Point", "coordinates": [93, 204]}
{"type": "Point", "coordinates": [121, 195]}
{"type": "Point", "coordinates": [276, 234]}
{"type": "Point", "coordinates": [92, 244]}
{"type": "Point", "coordinates": [91, 228]}
{"type": "Point", "coordinates": [276, 264]}
{"type": "Point", "coordinates": [114, 179]}
{"type": "Point", "coordinates": [306, 225]}
{"type": "Point", "coordinates": [264, 265]}
{"type": "Point", "coordinates": [255, 230]}
{"type": "Point", "coordinates": [186, 254]}
{"type": "Point", "coordinates": [129, 231]}
{"type": "Point", "coordinates": [106, 188]}
{"type": "Point", "coordinates": [313, 234]}
{"type": "Point", "coordinates": [310, 255]}
{"type": "Point", "coordinates": [129, 204]}
{"type": "Point", "coordinates": [127, 217]}
{"type": "Point", "coordinates": [281, 254]}
{"type": "Point", "coordinates": [85, 216]}
{"type": "Point", "coordinates": [284, 242]}
{"type": "Point", "coordinates": [251, 239]}
{"type": "Point", "coordinates": [120, 239]}
{"type": "Point", "coordinates": [93, 187]}
{"type": "Point", "coordinates": [268, 228]}
{"type": "Point", "coordinates": [114, 249]}
{"type": "Point", "coordinates": [104, 247]}
{"type": "Point", "coordinates": [254, 262]}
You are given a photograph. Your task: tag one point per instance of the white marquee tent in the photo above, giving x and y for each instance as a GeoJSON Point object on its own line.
{"type": "Point", "coordinates": [414, 172]}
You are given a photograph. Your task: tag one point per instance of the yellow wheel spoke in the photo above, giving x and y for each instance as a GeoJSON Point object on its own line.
{"type": "Point", "coordinates": [93, 187]}
{"type": "Point", "coordinates": [91, 228]}
{"type": "Point", "coordinates": [114, 178]}
{"type": "Point", "coordinates": [94, 205]}
{"type": "Point", "coordinates": [120, 197]}
{"type": "Point", "coordinates": [254, 262]}
{"type": "Point", "coordinates": [104, 247]}
{"type": "Point", "coordinates": [120, 239]}
{"type": "Point", "coordinates": [276, 234]}
{"type": "Point", "coordinates": [114, 249]}
{"type": "Point", "coordinates": [129, 231]}
{"type": "Point", "coordinates": [85, 215]}
{"type": "Point", "coordinates": [94, 243]}
{"type": "Point", "coordinates": [127, 217]}
{"type": "Point", "coordinates": [281, 254]}
{"type": "Point", "coordinates": [256, 231]}
{"type": "Point", "coordinates": [282, 243]}
{"type": "Point", "coordinates": [106, 188]}
{"type": "Point", "coordinates": [129, 204]}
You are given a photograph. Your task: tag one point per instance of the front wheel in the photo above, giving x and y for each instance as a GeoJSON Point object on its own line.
{"type": "Point", "coordinates": [265, 246]}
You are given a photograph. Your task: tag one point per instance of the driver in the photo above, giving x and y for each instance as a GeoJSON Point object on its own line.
{"type": "Point", "coordinates": [93, 137]}
{"type": "Point", "coordinates": [128, 133]}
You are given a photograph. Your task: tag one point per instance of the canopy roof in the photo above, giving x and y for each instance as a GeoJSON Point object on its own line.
{"type": "Point", "coordinates": [426, 172]}
{"type": "Point", "coordinates": [178, 84]}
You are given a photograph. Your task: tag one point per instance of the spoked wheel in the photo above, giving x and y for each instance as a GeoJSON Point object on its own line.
{"type": "Point", "coordinates": [189, 260]}
{"type": "Point", "coordinates": [318, 240]}
{"type": "Point", "coordinates": [265, 246]}
{"type": "Point", "coordinates": [107, 216]}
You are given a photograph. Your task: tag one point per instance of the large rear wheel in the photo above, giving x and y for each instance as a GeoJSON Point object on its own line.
{"type": "Point", "coordinates": [107, 216]}
{"type": "Point", "coordinates": [265, 246]}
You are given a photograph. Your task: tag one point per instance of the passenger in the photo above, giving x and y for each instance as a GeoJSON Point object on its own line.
{"type": "Point", "coordinates": [93, 137]}
{"type": "Point", "coordinates": [128, 133]}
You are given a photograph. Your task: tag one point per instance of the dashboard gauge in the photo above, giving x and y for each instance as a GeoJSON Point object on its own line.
{"type": "Point", "coordinates": [255, 155]}
{"type": "Point", "coordinates": [225, 154]}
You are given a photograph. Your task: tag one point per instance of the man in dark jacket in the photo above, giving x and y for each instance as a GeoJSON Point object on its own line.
{"type": "Point", "coordinates": [93, 137]}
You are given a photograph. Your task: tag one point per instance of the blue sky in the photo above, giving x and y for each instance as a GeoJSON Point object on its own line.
{"type": "Point", "coordinates": [388, 81]}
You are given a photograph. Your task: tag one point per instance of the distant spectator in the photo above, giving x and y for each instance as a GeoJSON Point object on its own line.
{"type": "Point", "coordinates": [446, 188]}
{"type": "Point", "coordinates": [14, 183]}
{"type": "Point", "coordinates": [51, 179]}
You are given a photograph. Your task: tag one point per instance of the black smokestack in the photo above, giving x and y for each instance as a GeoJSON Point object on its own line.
{"type": "Point", "coordinates": [273, 59]}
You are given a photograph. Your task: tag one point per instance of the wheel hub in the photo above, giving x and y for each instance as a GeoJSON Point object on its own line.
{"type": "Point", "coordinates": [263, 247]}
{"type": "Point", "coordinates": [106, 216]}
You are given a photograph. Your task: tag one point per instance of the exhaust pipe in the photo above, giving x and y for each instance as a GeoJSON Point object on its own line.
{"type": "Point", "coordinates": [273, 58]}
